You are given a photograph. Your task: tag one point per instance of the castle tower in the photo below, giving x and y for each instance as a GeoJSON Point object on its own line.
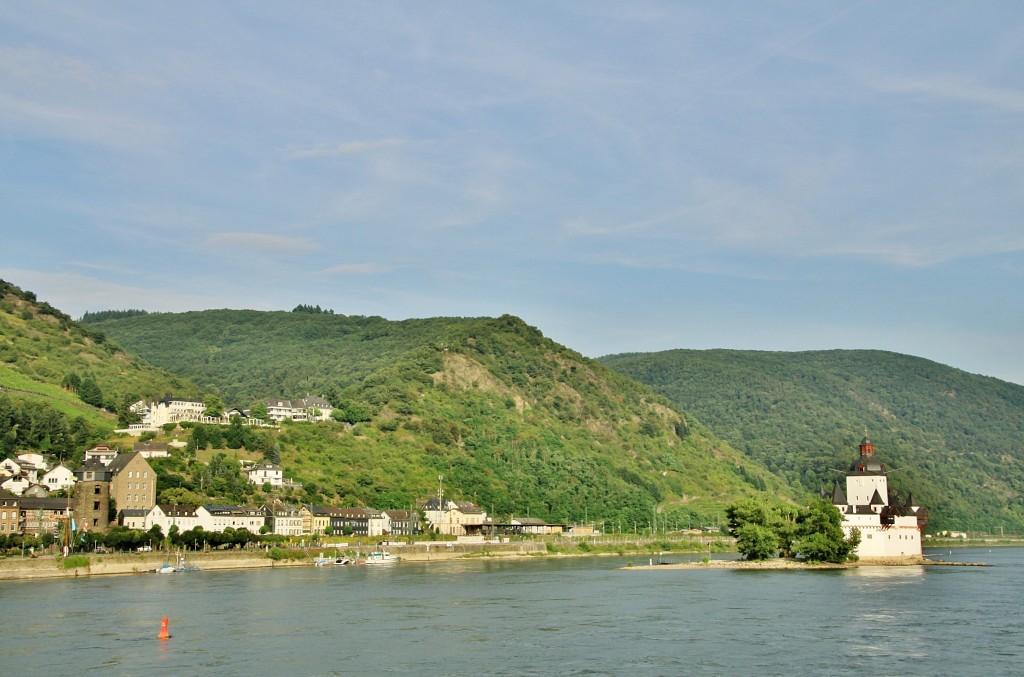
{"type": "Point", "coordinates": [92, 496]}
{"type": "Point", "coordinates": [888, 526]}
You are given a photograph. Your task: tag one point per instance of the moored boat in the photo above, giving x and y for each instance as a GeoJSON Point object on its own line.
{"type": "Point", "coordinates": [381, 557]}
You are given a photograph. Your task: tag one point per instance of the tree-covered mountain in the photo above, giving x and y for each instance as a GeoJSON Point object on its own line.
{"type": "Point", "coordinates": [62, 383]}
{"type": "Point", "coordinates": [956, 440]}
{"type": "Point", "coordinates": [510, 419]}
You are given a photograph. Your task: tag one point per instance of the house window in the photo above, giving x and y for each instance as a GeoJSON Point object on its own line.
{"type": "Point", "coordinates": [95, 505]}
{"type": "Point", "coordinates": [96, 490]}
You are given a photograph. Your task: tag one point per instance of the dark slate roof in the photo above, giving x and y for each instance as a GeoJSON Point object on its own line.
{"type": "Point", "coordinates": [838, 495]}
{"type": "Point", "coordinates": [28, 503]}
{"type": "Point", "coordinates": [178, 509]}
{"type": "Point", "coordinates": [876, 499]}
{"type": "Point", "coordinates": [120, 461]}
{"type": "Point", "coordinates": [150, 446]}
{"type": "Point", "coordinates": [223, 509]}
{"type": "Point", "coordinates": [134, 512]}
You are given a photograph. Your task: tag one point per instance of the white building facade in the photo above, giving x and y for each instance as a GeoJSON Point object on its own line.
{"type": "Point", "coordinates": [889, 527]}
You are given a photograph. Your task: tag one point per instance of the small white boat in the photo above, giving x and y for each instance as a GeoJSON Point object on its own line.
{"type": "Point", "coordinates": [181, 567]}
{"type": "Point", "coordinates": [338, 561]}
{"type": "Point", "coordinates": [381, 557]}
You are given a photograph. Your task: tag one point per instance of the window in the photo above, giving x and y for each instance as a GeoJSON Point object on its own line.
{"type": "Point", "coordinates": [96, 490]}
{"type": "Point", "coordinates": [95, 505]}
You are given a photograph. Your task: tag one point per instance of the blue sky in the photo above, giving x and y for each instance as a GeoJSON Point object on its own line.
{"type": "Point", "coordinates": [625, 176]}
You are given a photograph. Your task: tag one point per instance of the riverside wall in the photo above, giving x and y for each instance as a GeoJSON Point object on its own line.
{"type": "Point", "coordinates": [48, 566]}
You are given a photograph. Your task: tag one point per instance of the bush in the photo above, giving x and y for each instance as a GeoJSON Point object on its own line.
{"type": "Point", "coordinates": [75, 562]}
{"type": "Point", "coordinates": [279, 554]}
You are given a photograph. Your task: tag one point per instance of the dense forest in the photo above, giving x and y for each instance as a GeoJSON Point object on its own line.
{"type": "Point", "coordinates": [956, 440]}
{"type": "Point", "coordinates": [509, 418]}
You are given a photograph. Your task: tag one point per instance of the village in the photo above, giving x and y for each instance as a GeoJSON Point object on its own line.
{"type": "Point", "coordinates": [113, 488]}
{"type": "Point", "coordinates": [119, 489]}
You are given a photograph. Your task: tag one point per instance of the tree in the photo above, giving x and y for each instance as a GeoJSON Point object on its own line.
{"type": "Point", "coordinates": [814, 533]}
{"type": "Point", "coordinates": [90, 392]}
{"type": "Point", "coordinates": [756, 541]}
{"type": "Point", "coordinates": [259, 410]}
{"type": "Point", "coordinates": [821, 537]}
{"type": "Point", "coordinates": [214, 406]}
{"type": "Point", "coordinates": [755, 524]}
{"type": "Point", "coordinates": [71, 382]}
{"type": "Point", "coordinates": [125, 415]}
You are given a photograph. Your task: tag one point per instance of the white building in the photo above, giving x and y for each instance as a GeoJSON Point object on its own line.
{"type": "Point", "coordinates": [266, 473]}
{"type": "Point", "coordinates": [220, 517]}
{"type": "Point", "coordinates": [172, 410]}
{"type": "Point", "coordinates": [101, 453]}
{"type": "Point", "coordinates": [57, 478]}
{"type": "Point", "coordinates": [37, 461]}
{"type": "Point", "coordinates": [151, 449]}
{"type": "Point", "coordinates": [889, 527]}
{"type": "Point", "coordinates": [168, 515]}
{"type": "Point", "coordinates": [16, 484]}
{"type": "Point", "coordinates": [304, 409]}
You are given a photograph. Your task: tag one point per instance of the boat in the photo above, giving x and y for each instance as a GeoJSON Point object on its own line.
{"type": "Point", "coordinates": [338, 561]}
{"type": "Point", "coordinates": [380, 557]}
{"type": "Point", "coordinates": [180, 567]}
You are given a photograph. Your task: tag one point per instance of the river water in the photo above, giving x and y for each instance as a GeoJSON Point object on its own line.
{"type": "Point", "coordinates": [544, 616]}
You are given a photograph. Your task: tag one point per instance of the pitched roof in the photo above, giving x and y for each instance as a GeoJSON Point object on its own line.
{"type": "Point", "coordinates": [149, 446]}
{"type": "Point", "coordinates": [122, 460]}
{"type": "Point", "coordinates": [838, 495]}
{"type": "Point", "coordinates": [177, 509]}
{"type": "Point", "coordinates": [29, 503]}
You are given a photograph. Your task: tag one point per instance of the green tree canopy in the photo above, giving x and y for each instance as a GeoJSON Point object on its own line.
{"type": "Point", "coordinates": [814, 533]}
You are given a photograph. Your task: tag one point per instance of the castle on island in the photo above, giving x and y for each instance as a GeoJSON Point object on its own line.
{"type": "Point", "coordinates": [889, 526]}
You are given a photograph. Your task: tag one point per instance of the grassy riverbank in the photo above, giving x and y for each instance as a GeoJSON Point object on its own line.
{"type": "Point", "coordinates": [93, 564]}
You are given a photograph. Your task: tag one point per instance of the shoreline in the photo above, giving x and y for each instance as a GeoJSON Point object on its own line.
{"type": "Point", "coordinates": [796, 565]}
{"type": "Point", "coordinates": [50, 566]}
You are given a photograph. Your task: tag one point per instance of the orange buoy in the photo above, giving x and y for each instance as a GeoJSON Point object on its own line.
{"type": "Point", "coordinates": [164, 633]}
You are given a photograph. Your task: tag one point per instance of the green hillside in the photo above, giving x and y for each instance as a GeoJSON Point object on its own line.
{"type": "Point", "coordinates": [955, 439]}
{"type": "Point", "coordinates": [61, 383]}
{"type": "Point", "coordinates": [512, 420]}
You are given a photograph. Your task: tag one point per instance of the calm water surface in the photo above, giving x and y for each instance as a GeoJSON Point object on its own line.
{"type": "Point", "coordinates": [533, 617]}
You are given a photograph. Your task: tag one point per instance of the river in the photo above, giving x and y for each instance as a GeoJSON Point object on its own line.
{"type": "Point", "coordinates": [529, 616]}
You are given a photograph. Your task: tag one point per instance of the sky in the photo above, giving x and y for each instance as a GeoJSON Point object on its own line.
{"type": "Point", "coordinates": [625, 176]}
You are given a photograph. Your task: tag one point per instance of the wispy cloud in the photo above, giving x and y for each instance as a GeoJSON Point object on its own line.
{"type": "Point", "coordinates": [343, 148]}
{"type": "Point", "coordinates": [366, 268]}
{"type": "Point", "coordinates": [956, 89]}
{"type": "Point", "coordinates": [262, 242]}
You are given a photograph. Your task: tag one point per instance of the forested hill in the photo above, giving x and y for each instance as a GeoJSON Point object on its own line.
{"type": "Point", "coordinates": [955, 439]}
{"type": "Point", "coordinates": [62, 384]}
{"type": "Point", "coordinates": [511, 419]}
